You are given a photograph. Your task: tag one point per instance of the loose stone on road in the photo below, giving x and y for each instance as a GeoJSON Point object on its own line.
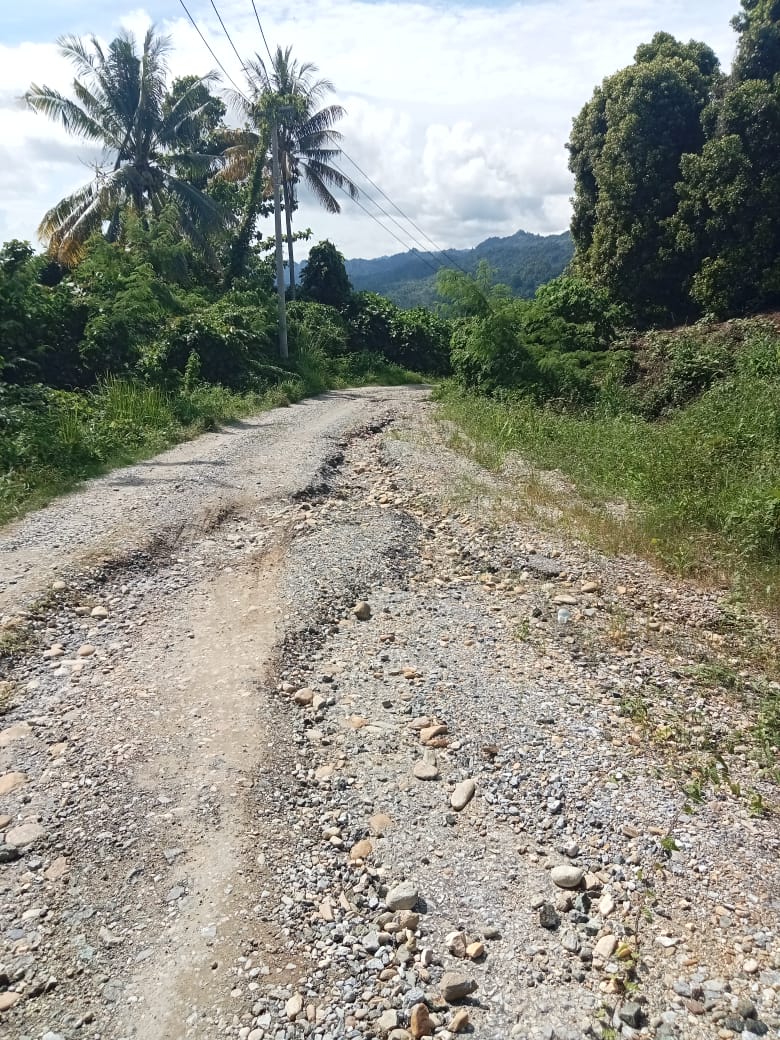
{"type": "Point", "coordinates": [297, 747]}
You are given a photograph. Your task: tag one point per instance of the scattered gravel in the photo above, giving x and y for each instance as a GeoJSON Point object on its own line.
{"type": "Point", "coordinates": [334, 765]}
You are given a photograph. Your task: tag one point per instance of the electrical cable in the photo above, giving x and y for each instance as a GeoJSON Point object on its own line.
{"type": "Point", "coordinates": [390, 216]}
{"type": "Point", "coordinates": [213, 55]}
{"type": "Point", "coordinates": [260, 27]}
{"type": "Point", "coordinates": [395, 206]}
{"type": "Point", "coordinates": [376, 219]}
{"type": "Point", "coordinates": [423, 254]}
{"type": "Point", "coordinates": [229, 37]}
{"type": "Point", "coordinates": [437, 248]}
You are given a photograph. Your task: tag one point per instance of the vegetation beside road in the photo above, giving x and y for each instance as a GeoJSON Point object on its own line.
{"type": "Point", "coordinates": [699, 484]}
{"type": "Point", "coordinates": [153, 314]}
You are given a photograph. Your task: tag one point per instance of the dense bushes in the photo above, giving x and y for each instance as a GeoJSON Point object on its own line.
{"type": "Point", "coordinates": [140, 345]}
{"type": "Point", "coordinates": [554, 347]}
{"type": "Point", "coordinates": [143, 309]}
{"type": "Point", "coordinates": [415, 339]}
{"type": "Point", "coordinates": [691, 442]}
{"type": "Point", "coordinates": [233, 339]}
{"type": "Point", "coordinates": [41, 325]}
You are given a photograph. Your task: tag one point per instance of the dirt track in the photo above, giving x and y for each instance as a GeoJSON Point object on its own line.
{"type": "Point", "coordinates": [220, 773]}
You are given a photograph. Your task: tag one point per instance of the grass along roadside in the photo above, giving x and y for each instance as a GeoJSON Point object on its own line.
{"type": "Point", "coordinates": [51, 440]}
{"type": "Point", "coordinates": [708, 706]}
{"type": "Point", "coordinates": [699, 492]}
{"type": "Point", "coordinates": [566, 470]}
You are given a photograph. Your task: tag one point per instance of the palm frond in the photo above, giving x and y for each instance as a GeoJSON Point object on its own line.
{"type": "Point", "coordinates": [238, 166]}
{"type": "Point", "coordinates": [326, 141]}
{"type": "Point", "coordinates": [68, 225]}
{"type": "Point", "coordinates": [185, 112]}
{"type": "Point", "coordinates": [154, 72]}
{"type": "Point", "coordinates": [248, 139]}
{"type": "Point", "coordinates": [194, 164]}
{"type": "Point", "coordinates": [73, 48]}
{"type": "Point", "coordinates": [320, 155]}
{"type": "Point", "coordinates": [71, 116]}
{"type": "Point", "coordinates": [237, 103]}
{"type": "Point", "coordinates": [100, 112]}
{"type": "Point", "coordinates": [120, 78]}
{"type": "Point", "coordinates": [328, 175]}
{"type": "Point", "coordinates": [199, 207]}
{"type": "Point", "coordinates": [319, 189]}
{"type": "Point", "coordinates": [322, 122]}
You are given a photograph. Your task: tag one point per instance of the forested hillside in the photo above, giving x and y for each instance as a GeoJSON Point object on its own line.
{"type": "Point", "coordinates": [522, 261]}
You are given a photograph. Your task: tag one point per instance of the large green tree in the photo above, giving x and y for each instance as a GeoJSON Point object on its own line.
{"type": "Point", "coordinates": [324, 278]}
{"type": "Point", "coordinates": [728, 219]}
{"type": "Point", "coordinates": [288, 92]}
{"type": "Point", "coordinates": [120, 104]}
{"type": "Point", "coordinates": [625, 152]}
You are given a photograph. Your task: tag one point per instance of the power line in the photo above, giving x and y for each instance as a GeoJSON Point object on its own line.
{"type": "Point", "coordinates": [395, 206]}
{"type": "Point", "coordinates": [260, 27]}
{"type": "Point", "coordinates": [211, 52]}
{"type": "Point", "coordinates": [422, 254]}
{"type": "Point", "coordinates": [229, 38]}
{"type": "Point", "coordinates": [373, 216]}
{"type": "Point", "coordinates": [390, 216]}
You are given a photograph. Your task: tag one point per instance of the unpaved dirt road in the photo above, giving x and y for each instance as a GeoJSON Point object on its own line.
{"type": "Point", "coordinates": [520, 792]}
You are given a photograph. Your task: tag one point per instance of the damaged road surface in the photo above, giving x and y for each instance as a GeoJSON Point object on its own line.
{"type": "Point", "coordinates": [306, 733]}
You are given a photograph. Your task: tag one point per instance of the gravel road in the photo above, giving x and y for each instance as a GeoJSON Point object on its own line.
{"type": "Point", "coordinates": [311, 730]}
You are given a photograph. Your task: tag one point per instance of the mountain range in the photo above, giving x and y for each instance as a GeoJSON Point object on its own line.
{"type": "Point", "coordinates": [522, 261]}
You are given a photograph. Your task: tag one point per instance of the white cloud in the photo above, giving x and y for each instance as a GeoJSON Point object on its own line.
{"type": "Point", "coordinates": [460, 112]}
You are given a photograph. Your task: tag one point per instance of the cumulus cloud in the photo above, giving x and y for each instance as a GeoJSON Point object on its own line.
{"type": "Point", "coordinates": [460, 112]}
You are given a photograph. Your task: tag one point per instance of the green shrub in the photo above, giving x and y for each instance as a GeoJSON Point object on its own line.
{"type": "Point", "coordinates": [41, 325]}
{"type": "Point", "coordinates": [316, 326]}
{"type": "Point", "coordinates": [489, 354]}
{"type": "Point", "coordinates": [554, 347]}
{"type": "Point", "coordinates": [232, 339]}
{"type": "Point", "coordinates": [412, 339]}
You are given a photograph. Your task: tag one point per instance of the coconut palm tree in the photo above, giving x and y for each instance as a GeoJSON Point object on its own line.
{"type": "Point", "coordinates": [308, 145]}
{"type": "Point", "coordinates": [119, 104]}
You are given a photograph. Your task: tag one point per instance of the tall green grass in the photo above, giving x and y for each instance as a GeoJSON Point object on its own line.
{"type": "Point", "coordinates": [702, 484]}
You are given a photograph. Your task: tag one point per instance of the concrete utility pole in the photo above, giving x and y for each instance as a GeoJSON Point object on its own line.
{"type": "Point", "coordinates": [279, 245]}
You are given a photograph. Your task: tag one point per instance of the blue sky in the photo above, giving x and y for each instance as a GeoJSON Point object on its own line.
{"type": "Point", "coordinates": [459, 111]}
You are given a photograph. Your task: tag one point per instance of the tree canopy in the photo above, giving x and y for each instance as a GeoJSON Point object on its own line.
{"type": "Point", "coordinates": [324, 277]}
{"type": "Point", "coordinates": [728, 221]}
{"type": "Point", "coordinates": [677, 172]}
{"type": "Point", "coordinates": [626, 148]}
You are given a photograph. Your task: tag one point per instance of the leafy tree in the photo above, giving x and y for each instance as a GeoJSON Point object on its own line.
{"type": "Point", "coordinates": [40, 324]}
{"type": "Point", "coordinates": [120, 105]}
{"type": "Point", "coordinates": [569, 314]}
{"type": "Point", "coordinates": [758, 54]}
{"type": "Point", "coordinates": [324, 278]}
{"type": "Point", "coordinates": [287, 92]}
{"type": "Point", "coordinates": [625, 152]}
{"type": "Point", "coordinates": [470, 295]}
{"type": "Point", "coordinates": [728, 219]}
